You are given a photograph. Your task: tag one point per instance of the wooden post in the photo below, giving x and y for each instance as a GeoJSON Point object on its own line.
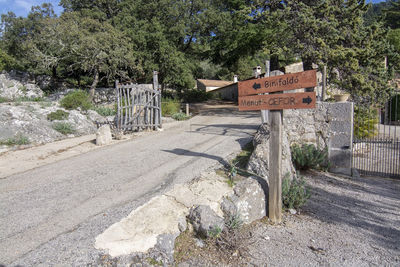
{"type": "Point", "coordinates": [275, 167]}
{"type": "Point", "coordinates": [158, 117]}
{"type": "Point", "coordinates": [187, 109]}
{"type": "Point", "coordinates": [264, 113]}
{"type": "Point", "coordinates": [118, 104]}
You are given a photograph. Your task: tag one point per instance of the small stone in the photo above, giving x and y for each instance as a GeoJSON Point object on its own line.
{"type": "Point", "coordinates": [199, 243]}
{"type": "Point", "coordinates": [292, 211]}
{"type": "Point", "coordinates": [103, 135]}
{"type": "Point", "coordinates": [205, 220]}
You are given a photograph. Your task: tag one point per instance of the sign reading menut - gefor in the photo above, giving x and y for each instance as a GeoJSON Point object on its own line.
{"type": "Point", "coordinates": [285, 82]}
{"type": "Point", "coordinates": [278, 101]}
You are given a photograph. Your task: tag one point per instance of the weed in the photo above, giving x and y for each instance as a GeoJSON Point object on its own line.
{"type": "Point", "coordinates": [154, 262]}
{"type": "Point", "coordinates": [180, 116]}
{"type": "Point", "coordinates": [243, 157]}
{"type": "Point", "coordinates": [3, 99]}
{"type": "Point", "coordinates": [234, 222]}
{"type": "Point", "coordinates": [105, 111]}
{"type": "Point", "coordinates": [64, 127]}
{"type": "Point", "coordinates": [16, 140]}
{"type": "Point", "coordinates": [58, 115]}
{"type": "Point", "coordinates": [169, 106]}
{"type": "Point", "coordinates": [294, 192]}
{"type": "Point", "coordinates": [307, 156]}
{"type": "Point", "coordinates": [76, 99]}
{"type": "Point", "coordinates": [215, 232]}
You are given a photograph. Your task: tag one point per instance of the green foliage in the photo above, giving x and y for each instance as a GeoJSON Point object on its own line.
{"type": "Point", "coordinates": [3, 100]}
{"type": "Point", "coordinates": [195, 96]}
{"type": "Point", "coordinates": [180, 116]}
{"type": "Point", "coordinates": [105, 111]}
{"type": "Point", "coordinates": [64, 127]}
{"type": "Point", "coordinates": [215, 232]}
{"type": "Point", "coordinates": [307, 156]}
{"type": "Point", "coordinates": [243, 157]}
{"type": "Point", "coordinates": [76, 99]}
{"type": "Point", "coordinates": [169, 106]}
{"type": "Point", "coordinates": [58, 115]}
{"type": "Point", "coordinates": [365, 122]}
{"type": "Point", "coordinates": [16, 140]}
{"type": "Point", "coordinates": [392, 13]}
{"type": "Point", "coordinates": [234, 222]}
{"type": "Point", "coordinates": [154, 262]}
{"type": "Point", "coordinates": [294, 192]}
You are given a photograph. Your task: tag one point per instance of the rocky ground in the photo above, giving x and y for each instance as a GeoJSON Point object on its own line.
{"type": "Point", "coordinates": [347, 222]}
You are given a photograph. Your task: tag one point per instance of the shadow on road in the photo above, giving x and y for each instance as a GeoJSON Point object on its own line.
{"type": "Point", "coordinates": [225, 129]}
{"type": "Point", "coordinates": [368, 205]}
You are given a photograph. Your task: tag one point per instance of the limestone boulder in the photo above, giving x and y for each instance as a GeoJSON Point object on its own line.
{"type": "Point", "coordinates": [259, 160]}
{"type": "Point", "coordinates": [205, 220]}
{"type": "Point", "coordinates": [248, 201]}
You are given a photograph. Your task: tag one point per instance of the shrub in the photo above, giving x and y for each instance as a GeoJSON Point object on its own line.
{"type": "Point", "coordinates": [58, 115]}
{"type": "Point", "coordinates": [294, 193]}
{"type": "Point", "coordinates": [307, 156]}
{"type": "Point", "coordinates": [16, 140]}
{"type": "Point", "coordinates": [105, 111]}
{"type": "Point", "coordinates": [365, 122]}
{"type": "Point", "coordinates": [3, 99]}
{"type": "Point", "coordinates": [64, 127]}
{"type": "Point", "coordinates": [193, 96]}
{"type": "Point", "coordinates": [169, 106]}
{"type": "Point", "coordinates": [76, 99]}
{"type": "Point", "coordinates": [180, 116]}
{"type": "Point", "coordinates": [395, 107]}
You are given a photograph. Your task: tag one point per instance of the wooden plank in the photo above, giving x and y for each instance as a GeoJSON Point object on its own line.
{"type": "Point", "coordinates": [275, 167]}
{"type": "Point", "coordinates": [278, 83]}
{"type": "Point", "coordinates": [278, 101]}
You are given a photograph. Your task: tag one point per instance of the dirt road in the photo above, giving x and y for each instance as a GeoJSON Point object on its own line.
{"type": "Point", "coordinates": [50, 215]}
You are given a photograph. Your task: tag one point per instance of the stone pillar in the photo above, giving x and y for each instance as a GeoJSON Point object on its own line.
{"type": "Point", "coordinates": [341, 137]}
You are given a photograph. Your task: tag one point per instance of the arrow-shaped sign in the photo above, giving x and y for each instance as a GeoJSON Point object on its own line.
{"type": "Point", "coordinates": [307, 100]}
{"type": "Point", "coordinates": [256, 86]}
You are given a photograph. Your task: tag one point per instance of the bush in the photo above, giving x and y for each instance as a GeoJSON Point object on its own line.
{"type": "Point", "coordinates": [77, 99]}
{"type": "Point", "coordinates": [3, 99]}
{"type": "Point", "coordinates": [307, 156]}
{"type": "Point", "coordinates": [169, 106]}
{"type": "Point", "coordinates": [64, 127]}
{"type": "Point", "coordinates": [365, 122]}
{"type": "Point", "coordinates": [180, 116]}
{"type": "Point", "coordinates": [395, 108]}
{"type": "Point", "coordinates": [16, 140]}
{"type": "Point", "coordinates": [294, 193]}
{"type": "Point", "coordinates": [105, 111]}
{"type": "Point", "coordinates": [58, 115]}
{"type": "Point", "coordinates": [194, 96]}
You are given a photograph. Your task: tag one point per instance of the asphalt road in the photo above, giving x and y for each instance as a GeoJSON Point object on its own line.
{"type": "Point", "coordinates": [52, 214]}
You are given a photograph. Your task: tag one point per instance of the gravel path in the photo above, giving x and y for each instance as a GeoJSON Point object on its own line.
{"type": "Point", "coordinates": [347, 222]}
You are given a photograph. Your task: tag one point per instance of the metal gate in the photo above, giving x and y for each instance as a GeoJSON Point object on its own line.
{"type": "Point", "coordinates": [376, 141]}
{"type": "Point", "coordinates": [139, 106]}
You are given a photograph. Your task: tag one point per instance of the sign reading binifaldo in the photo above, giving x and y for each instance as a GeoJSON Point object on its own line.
{"type": "Point", "coordinates": [285, 82]}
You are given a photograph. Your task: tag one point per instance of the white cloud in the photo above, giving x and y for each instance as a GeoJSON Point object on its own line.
{"type": "Point", "coordinates": [26, 5]}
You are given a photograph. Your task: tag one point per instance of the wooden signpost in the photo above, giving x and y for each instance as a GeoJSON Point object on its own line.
{"type": "Point", "coordinates": [252, 97]}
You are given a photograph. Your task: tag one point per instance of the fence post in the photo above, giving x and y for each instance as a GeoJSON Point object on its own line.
{"type": "Point", "coordinates": [118, 105]}
{"type": "Point", "coordinates": [158, 117]}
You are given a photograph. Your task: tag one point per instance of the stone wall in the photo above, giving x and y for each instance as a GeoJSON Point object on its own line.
{"type": "Point", "coordinates": [328, 125]}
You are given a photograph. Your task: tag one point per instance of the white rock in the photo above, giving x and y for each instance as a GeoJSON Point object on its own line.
{"type": "Point", "coordinates": [103, 135]}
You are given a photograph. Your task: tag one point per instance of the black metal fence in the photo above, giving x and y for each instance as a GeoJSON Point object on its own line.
{"type": "Point", "coordinates": [376, 141]}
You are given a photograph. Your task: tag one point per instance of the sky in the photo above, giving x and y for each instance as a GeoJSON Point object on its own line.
{"type": "Point", "coordinates": [22, 7]}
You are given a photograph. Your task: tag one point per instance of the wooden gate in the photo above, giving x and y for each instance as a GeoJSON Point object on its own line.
{"type": "Point", "coordinates": [138, 106]}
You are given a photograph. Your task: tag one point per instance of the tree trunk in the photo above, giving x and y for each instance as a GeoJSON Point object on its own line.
{"type": "Point", "coordinates": [94, 84]}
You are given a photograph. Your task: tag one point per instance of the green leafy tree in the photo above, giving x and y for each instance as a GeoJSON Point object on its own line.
{"type": "Point", "coordinates": [392, 14]}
